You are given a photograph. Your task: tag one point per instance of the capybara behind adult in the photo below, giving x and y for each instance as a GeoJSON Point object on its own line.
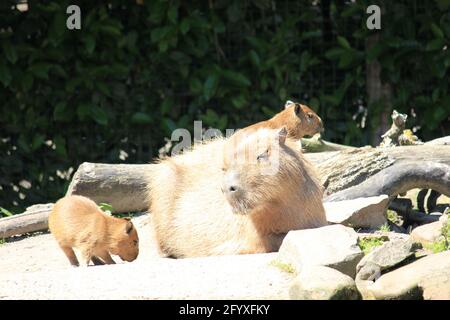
{"type": "Point", "coordinates": [234, 196]}
{"type": "Point", "coordinates": [298, 119]}
{"type": "Point", "coordinates": [77, 222]}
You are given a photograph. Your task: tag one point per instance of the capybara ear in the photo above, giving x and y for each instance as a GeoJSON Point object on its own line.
{"type": "Point", "coordinates": [287, 104]}
{"type": "Point", "coordinates": [298, 109]}
{"type": "Point", "coordinates": [129, 227]}
{"type": "Point", "coordinates": [282, 134]}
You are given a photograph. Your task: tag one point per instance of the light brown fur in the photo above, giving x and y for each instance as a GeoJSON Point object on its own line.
{"type": "Point", "coordinates": [298, 119]}
{"type": "Point", "coordinates": [77, 222]}
{"type": "Point", "coordinates": [193, 215]}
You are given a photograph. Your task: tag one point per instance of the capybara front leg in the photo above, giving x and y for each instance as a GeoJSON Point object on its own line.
{"type": "Point", "coordinates": [71, 256]}
{"type": "Point", "coordinates": [95, 260]}
{"type": "Point", "coordinates": [106, 257]}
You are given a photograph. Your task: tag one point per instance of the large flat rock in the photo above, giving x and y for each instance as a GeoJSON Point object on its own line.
{"type": "Point", "coordinates": [224, 277]}
{"type": "Point", "coordinates": [334, 246]}
{"type": "Point", "coordinates": [427, 278]}
{"type": "Point", "coordinates": [367, 212]}
{"type": "Point", "coordinates": [36, 268]}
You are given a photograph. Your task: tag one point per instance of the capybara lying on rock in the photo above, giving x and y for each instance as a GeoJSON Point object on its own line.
{"type": "Point", "coordinates": [234, 196]}
{"type": "Point", "coordinates": [298, 119]}
{"type": "Point", "coordinates": [77, 222]}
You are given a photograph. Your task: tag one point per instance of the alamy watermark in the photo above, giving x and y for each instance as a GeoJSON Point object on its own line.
{"type": "Point", "coordinates": [74, 20]}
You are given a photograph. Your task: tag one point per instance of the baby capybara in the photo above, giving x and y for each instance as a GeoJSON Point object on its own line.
{"type": "Point", "coordinates": [298, 119]}
{"type": "Point", "coordinates": [77, 222]}
{"type": "Point", "coordinates": [234, 196]}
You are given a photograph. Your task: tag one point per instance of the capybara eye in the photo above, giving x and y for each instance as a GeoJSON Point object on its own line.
{"type": "Point", "coordinates": [263, 155]}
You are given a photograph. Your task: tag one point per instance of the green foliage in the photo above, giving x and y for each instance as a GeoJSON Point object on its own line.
{"type": "Point", "coordinates": [286, 267]}
{"type": "Point", "coordinates": [106, 207]}
{"type": "Point", "coordinates": [385, 227]}
{"type": "Point", "coordinates": [393, 216]}
{"type": "Point", "coordinates": [368, 244]}
{"type": "Point", "coordinates": [443, 243]}
{"type": "Point", "coordinates": [5, 212]}
{"type": "Point", "coordinates": [133, 73]}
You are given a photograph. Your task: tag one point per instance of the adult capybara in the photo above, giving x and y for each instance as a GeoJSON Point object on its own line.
{"type": "Point", "coordinates": [234, 196]}
{"type": "Point", "coordinates": [298, 119]}
{"type": "Point", "coordinates": [77, 222]}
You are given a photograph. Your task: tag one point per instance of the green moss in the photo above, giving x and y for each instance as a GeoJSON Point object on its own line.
{"type": "Point", "coordinates": [108, 209]}
{"type": "Point", "coordinates": [385, 227]}
{"type": "Point", "coordinates": [443, 243]}
{"type": "Point", "coordinates": [368, 244]}
{"type": "Point", "coordinates": [2, 241]}
{"type": "Point", "coordinates": [392, 216]}
{"type": "Point", "coordinates": [286, 267]}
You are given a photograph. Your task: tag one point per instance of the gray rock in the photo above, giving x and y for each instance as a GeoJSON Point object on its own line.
{"type": "Point", "coordinates": [384, 257]}
{"type": "Point", "coordinates": [360, 212]}
{"type": "Point", "coordinates": [334, 246]}
{"type": "Point", "coordinates": [429, 232]}
{"type": "Point", "coordinates": [323, 283]}
{"type": "Point", "coordinates": [384, 235]}
{"type": "Point", "coordinates": [427, 278]}
{"type": "Point", "coordinates": [389, 254]}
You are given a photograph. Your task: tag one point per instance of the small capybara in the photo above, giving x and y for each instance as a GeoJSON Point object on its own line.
{"type": "Point", "coordinates": [77, 222]}
{"type": "Point", "coordinates": [234, 196]}
{"type": "Point", "coordinates": [298, 119]}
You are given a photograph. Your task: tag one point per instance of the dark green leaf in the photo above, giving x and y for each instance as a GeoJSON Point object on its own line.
{"type": "Point", "coordinates": [99, 115]}
{"type": "Point", "coordinates": [141, 118]}
{"type": "Point", "coordinates": [5, 75]}
{"type": "Point", "coordinates": [10, 52]}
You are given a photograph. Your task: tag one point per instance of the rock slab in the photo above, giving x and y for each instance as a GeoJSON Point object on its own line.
{"type": "Point", "coordinates": [367, 212]}
{"type": "Point", "coordinates": [323, 283]}
{"type": "Point", "coordinates": [426, 278]}
{"type": "Point", "coordinates": [334, 246]}
{"type": "Point", "coordinates": [429, 232]}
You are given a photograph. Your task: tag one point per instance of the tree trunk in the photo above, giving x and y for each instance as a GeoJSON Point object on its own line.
{"type": "Point", "coordinates": [378, 94]}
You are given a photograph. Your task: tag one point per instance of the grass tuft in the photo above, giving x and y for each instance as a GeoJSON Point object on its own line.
{"type": "Point", "coordinates": [286, 267]}
{"type": "Point", "coordinates": [368, 244]}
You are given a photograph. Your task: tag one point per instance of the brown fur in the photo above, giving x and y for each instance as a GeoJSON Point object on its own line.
{"type": "Point", "coordinates": [193, 214]}
{"type": "Point", "coordinates": [77, 222]}
{"type": "Point", "coordinates": [298, 119]}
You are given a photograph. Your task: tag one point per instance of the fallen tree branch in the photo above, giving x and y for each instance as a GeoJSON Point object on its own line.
{"type": "Point", "coordinates": [316, 144]}
{"type": "Point", "coordinates": [403, 207]}
{"type": "Point", "coordinates": [400, 178]}
{"type": "Point", "coordinates": [123, 186]}
{"type": "Point", "coordinates": [34, 219]}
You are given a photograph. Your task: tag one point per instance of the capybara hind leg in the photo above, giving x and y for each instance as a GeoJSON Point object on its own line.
{"type": "Point", "coordinates": [106, 257]}
{"type": "Point", "coordinates": [96, 261]}
{"type": "Point", "coordinates": [71, 256]}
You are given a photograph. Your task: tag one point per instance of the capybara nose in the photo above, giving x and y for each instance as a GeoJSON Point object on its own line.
{"type": "Point", "coordinates": [230, 183]}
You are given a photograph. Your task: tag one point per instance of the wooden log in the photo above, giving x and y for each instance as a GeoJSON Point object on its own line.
{"type": "Point", "coordinates": [444, 141]}
{"type": "Point", "coordinates": [34, 219]}
{"type": "Point", "coordinates": [316, 144]}
{"type": "Point", "coordinates": [123, 186]}
{"type": "Point", "coordinates": [398, 179]}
